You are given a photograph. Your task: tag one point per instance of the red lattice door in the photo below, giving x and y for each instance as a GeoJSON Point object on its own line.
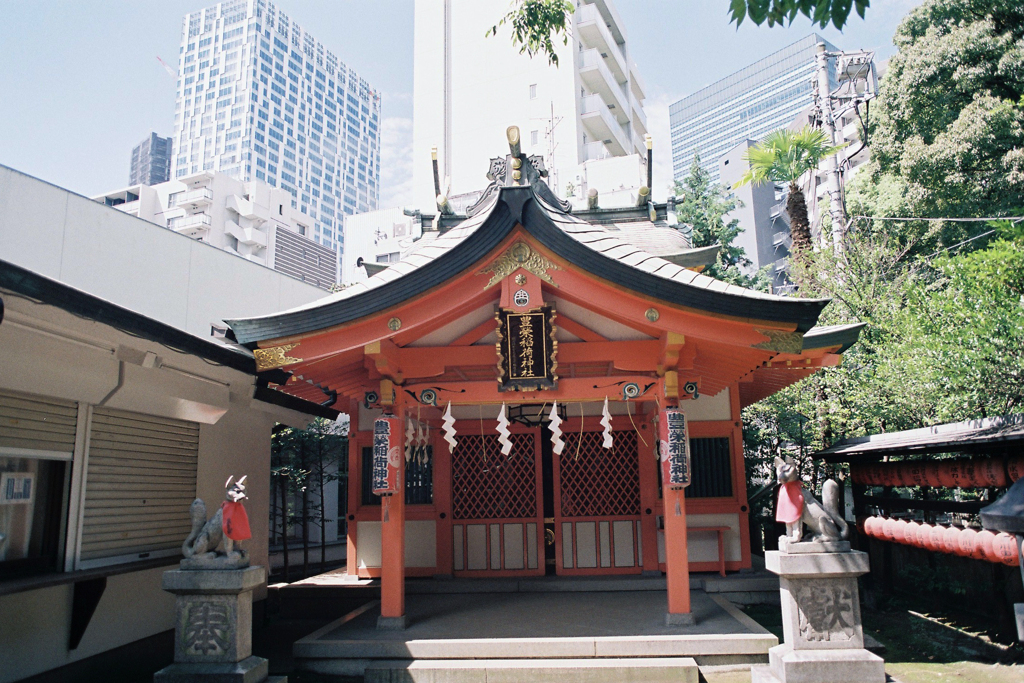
{"type": "Point", "coordinates": [497, 516]}
{"type": "Point", "coordinates": [597, 505]}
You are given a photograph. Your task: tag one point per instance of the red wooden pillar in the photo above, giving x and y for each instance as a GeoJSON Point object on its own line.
{"type": "Point", "coordinates": [392, 547]}
{"type": "Point", "coordinates": [677, 562]}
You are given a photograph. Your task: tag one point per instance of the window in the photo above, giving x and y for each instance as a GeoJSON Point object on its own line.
{"type": "Point", "coordinates": [36, 446]}
{"type": "Point", "coordinates": [533, 91]}
{"type": "Point", "coordinates": [534, 137]}
{"type": "Point", "coordinates": [711, 467]}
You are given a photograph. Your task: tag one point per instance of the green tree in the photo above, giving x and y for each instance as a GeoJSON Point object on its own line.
{"type": "Point", "coordinates": [537, 24]}
{"type": "Point", "coordinates": [704, 206]}
{"type": "Point", "coordinates": [782, 157]}
{"type": "Point", "coordinates": [304, 462]}
{"type": "Point", "coordinates": [948, 124]}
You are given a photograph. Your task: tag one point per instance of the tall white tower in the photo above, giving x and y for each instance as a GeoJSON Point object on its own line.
{"type": "Point", "coordinates": [469, 87]}
{"type": "Point", "coordinates": [261, 99]}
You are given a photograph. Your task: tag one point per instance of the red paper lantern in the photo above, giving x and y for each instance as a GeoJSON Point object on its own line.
{"type": "Point", "coordinates": [890, 474]}
{"type": "Point", "coordinates": [936, 538]}
{"type": "Point", "coordinates": [889, 529]}
{"type": "Point", "coordinates": [931, 473]}
{"type": "Point", "coordinates": [387, 455]}
{"type": "Point", "coordinates": [872, 526]}
{"type": "Point", "coordinates": [951, 540]}
{"type": "Point", "coordinates": [899, 533]}
{"type": "Point", "coordinates": [674, 445]}
{"type": "Point", "coordinates": [1004, 549]}
{"type": "Point", "coordinates": [912, 472]}
{"type": "Point", "coordinates": [859, 474]}
{"type": "Point", "coordinates": [924, 536]}
{"type": "Point", "coordinates": [1015, 468]}
{"type": "Point", "coordinates": [990, 472]}
{"type": "Point", "coordinates": [946, 476]}
{"type": "Point", "coordinates": [983, 545]}
{"type": "Point", "coordinates": [965, 544]}
{"type": "Point", "coordinates": [911, 534]}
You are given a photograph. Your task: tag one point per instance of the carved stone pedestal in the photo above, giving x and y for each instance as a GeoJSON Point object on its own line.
{"type": "Point", "coordinates": [213, 628]}
{"type": "Point", "coordinates": [823, 635]}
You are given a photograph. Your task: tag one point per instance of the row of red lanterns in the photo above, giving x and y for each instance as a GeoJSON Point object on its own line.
{"type": "Point", "coordinates": [949, 473]}
{"type": "Point", "coordinates": [966, 542]}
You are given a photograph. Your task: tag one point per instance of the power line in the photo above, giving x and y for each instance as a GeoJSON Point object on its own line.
{"type": "Point", "coordinates": [1015, 219]}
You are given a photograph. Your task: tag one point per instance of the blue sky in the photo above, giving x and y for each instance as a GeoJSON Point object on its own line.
{"type": "Point", "coordinates": [81, 83]}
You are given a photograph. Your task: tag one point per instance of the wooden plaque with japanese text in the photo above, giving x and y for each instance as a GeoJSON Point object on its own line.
{"type": "Point", "coordinates": [527, 350]}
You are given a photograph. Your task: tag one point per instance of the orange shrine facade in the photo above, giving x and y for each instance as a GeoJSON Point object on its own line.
{"type": "Point", "coordinates": [529, 356]}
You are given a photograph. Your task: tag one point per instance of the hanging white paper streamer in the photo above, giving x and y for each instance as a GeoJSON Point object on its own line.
{"type": "Point", "coordinates": [448, 424]}
{"type": "Point", "coordinates": [410, 436]}
{"type": "Point", "coordinates": [606, 422]}
{"type": "Point", "coordinates": [556, 431]}
{"type": "Point", "coordinates": [503, 432]}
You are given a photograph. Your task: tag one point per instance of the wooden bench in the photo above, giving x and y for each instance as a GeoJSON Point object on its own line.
{"type": "Point", "coordinates": [720, 530]}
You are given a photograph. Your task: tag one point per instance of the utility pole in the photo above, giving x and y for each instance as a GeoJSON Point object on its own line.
{"type": "Point", "coordinates": [824, 94]}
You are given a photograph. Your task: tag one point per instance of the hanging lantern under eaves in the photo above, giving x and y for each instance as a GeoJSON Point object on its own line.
{"type": "Point", "coordinates": [674, 448]}
{"type": "Point", "coordinates": [387, 455]}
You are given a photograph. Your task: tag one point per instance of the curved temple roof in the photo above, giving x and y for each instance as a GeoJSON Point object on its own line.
{"type": "Point", "coordinates": [590, 247]}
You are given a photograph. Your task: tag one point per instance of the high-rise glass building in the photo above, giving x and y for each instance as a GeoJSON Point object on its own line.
{"type": "Point", "coordinates": [259, 98]}
{"type": "Point", "coordinates": [151, 161]}
{"type": "Point", "coordinates": [765, 96]}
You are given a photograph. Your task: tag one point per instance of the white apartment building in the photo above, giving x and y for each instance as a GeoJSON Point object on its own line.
{"type": "Point", "coordinates": [258, 98]}
{"type": "Point", "coordinates": [377, 238]}
{"type": "Point", "coordinates": [469, 87]}
{"type": "Point", "coordinates": [249, 219]}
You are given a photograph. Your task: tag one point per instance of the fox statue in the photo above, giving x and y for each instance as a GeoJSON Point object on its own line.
{"type": "Point", "coordinates": [799, 509]}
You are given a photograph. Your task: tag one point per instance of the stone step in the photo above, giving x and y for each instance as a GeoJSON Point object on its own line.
{"type": "Point", "coordinates": [656, 670]}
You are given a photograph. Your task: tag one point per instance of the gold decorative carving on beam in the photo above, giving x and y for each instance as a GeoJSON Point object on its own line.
{"type": "Point", "coordinates": [519, 255]}
{"type": "Point", "coordinates": [274, 357]}
{"type": "Point", "coordinates": [781, 341]}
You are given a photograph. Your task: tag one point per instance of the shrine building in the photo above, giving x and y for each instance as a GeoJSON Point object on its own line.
{"type": "Point", "coordinates": [529, 361]}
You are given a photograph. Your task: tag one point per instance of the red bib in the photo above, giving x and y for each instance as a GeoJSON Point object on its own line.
{"type": "Point", "coordinates": [791, 503]}
{"type": "Point", "coordinates": [235, 521]}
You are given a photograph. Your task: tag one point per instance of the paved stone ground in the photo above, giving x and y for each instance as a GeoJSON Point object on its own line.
{"type": "Point", "coordinates": [541, 615]}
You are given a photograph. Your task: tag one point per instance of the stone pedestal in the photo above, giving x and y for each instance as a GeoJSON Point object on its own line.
{"type": "Point", "coordinates": [823, 635]}
{"type": "Point", "coordinates": [213, 626]}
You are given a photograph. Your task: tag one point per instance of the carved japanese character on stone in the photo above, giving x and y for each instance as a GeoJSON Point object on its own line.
{"type": "Point", "coordinates": [207, 629]}
{"type": "Point", "coordinates": [826, 611]}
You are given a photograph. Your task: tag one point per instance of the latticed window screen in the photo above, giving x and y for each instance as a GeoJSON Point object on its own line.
{"type": "Point", "coordinates": [489, 485]}
{"type": "Point", "coordinates": [600, 482]}
{"type": "Point", "coordinates": [712, 468]}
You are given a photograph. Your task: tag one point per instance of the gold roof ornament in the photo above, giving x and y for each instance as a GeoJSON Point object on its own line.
{"type": "Point", "coordinates": [274, 357]}
{"type": "Point", "coordinates": [520, 255]}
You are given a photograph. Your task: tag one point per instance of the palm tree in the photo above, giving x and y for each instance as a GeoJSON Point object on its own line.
{"type": "Point", "coordinates": [782, 157]}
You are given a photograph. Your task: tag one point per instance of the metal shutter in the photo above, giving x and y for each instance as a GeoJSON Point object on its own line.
{"type": "Point", "coordinates": [35, 423]}
{"type": "Point", "coordinates": [140, 483]}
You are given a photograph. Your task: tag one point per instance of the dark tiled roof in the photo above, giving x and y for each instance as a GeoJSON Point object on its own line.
{"type": "Point", "coordinates": [971, 435]}
{"type": "Point", "coordinates": [595, 248]}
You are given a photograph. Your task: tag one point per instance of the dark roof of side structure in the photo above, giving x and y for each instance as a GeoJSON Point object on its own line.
{"type": "Point", "coordinates": [972, 435]}
{"type": "Point", "coordinates": [590, 247]}
{"type": "Point", "coordinates": [38, 288]}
